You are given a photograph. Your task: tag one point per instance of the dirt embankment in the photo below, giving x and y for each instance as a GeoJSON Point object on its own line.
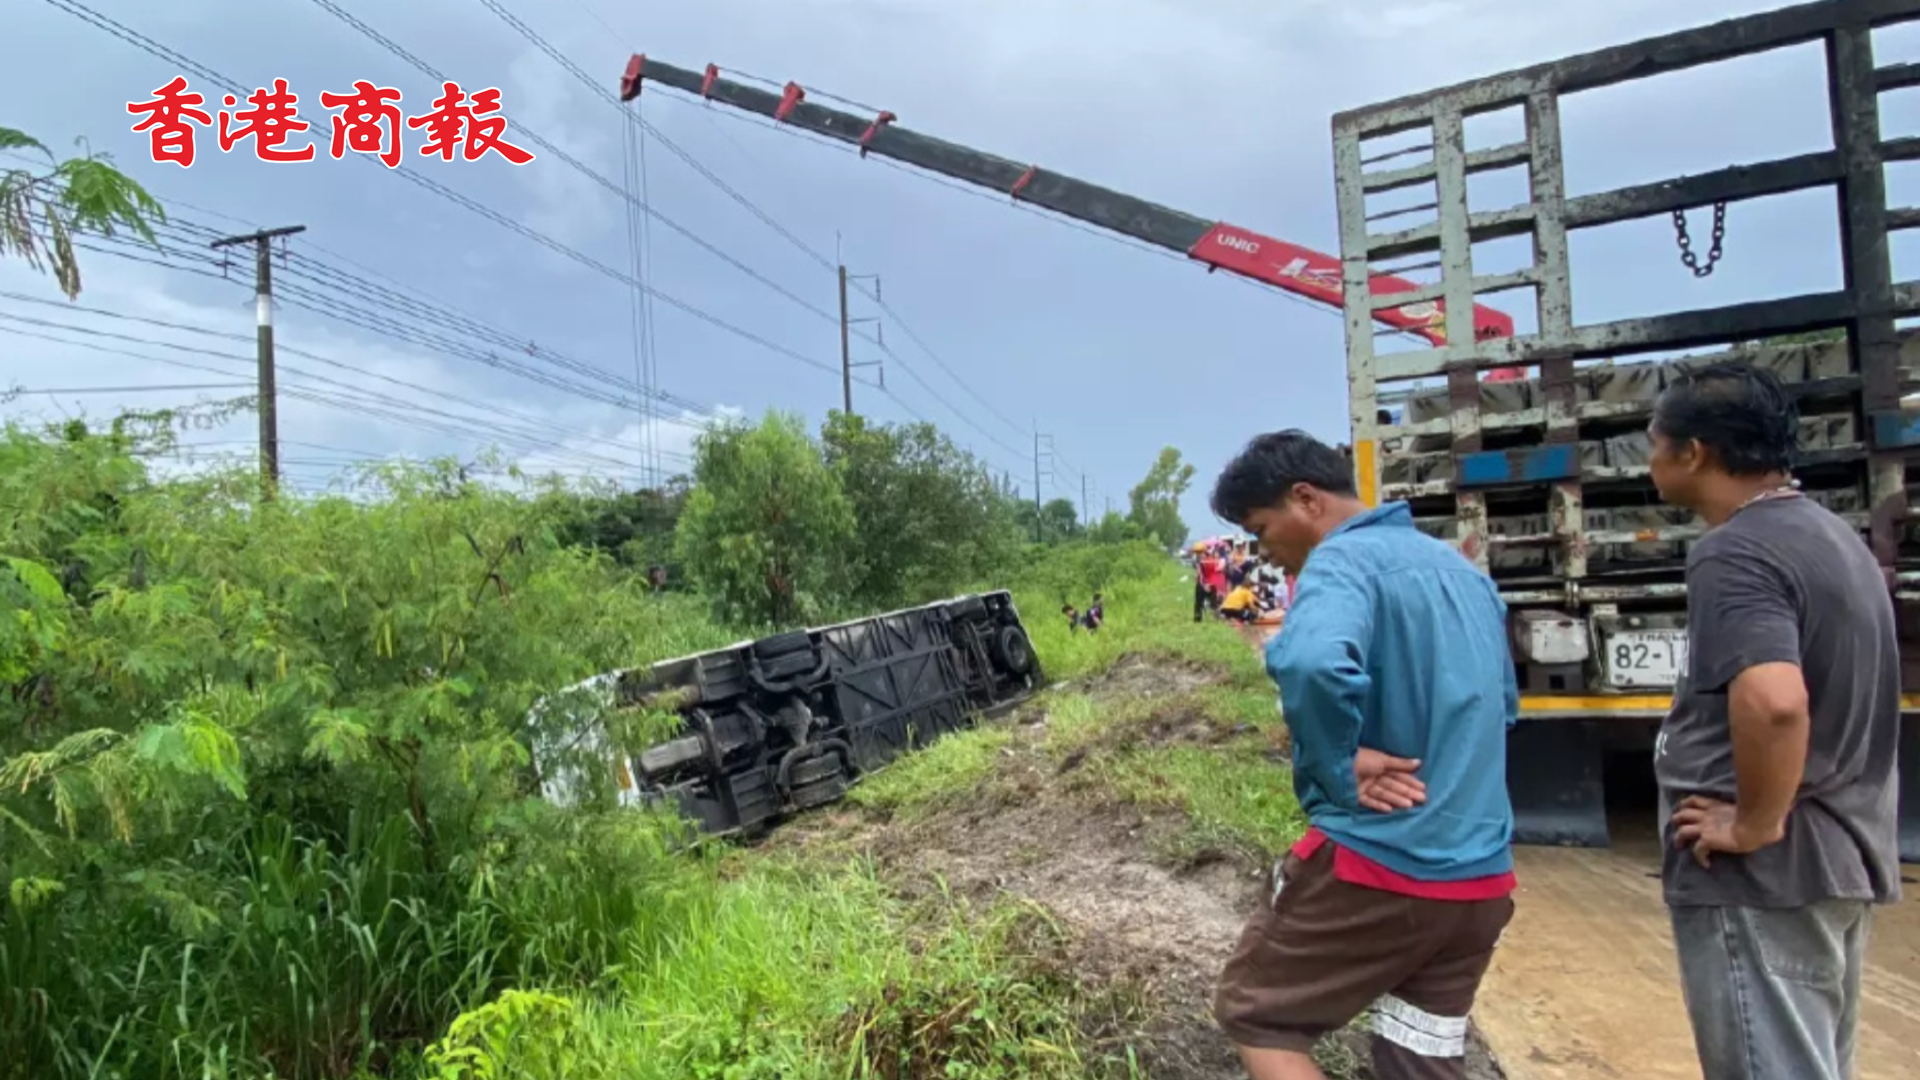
{"type": "Point", "coordinates": [1046, 828]}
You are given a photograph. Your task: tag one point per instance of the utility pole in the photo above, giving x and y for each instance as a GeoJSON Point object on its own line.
{"type": "Point", "coordinates": [1085, 519]}
{"type": "Point", "coordinates": [1039, 499]}
{"type": "Point", "coordinates": [262, 242]}
{"type": "Point", "coordinates": [1036, 484]}
{"type": "Point", "coordinates": [846, 348]}
{"type": "Point", "coordinates": [846, 339]}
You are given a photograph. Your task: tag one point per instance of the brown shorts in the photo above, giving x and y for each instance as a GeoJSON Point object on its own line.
{"type": "Point", "coordinates": [1323, 951]}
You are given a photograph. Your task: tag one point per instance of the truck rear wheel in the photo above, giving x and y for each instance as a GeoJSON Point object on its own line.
{"type": "Point", "coordinates": [1012, 649]}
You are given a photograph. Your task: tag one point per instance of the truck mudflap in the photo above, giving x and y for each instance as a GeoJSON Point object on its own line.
{"type": "Point", "coordinates": [1556, 783]}
{"type": "Point", "coordinates": [1556, 764]}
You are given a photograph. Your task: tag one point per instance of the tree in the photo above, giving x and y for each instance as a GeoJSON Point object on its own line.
{"type": "Point", "coordinates": [634, 528]}
{"type": "Point", "coordinates": [765, 530]}
{"type": "Point", "coordinates": [301, 730]}
{"type": "Point", "coordinates": [1154, 503]}
{"type": "Point", "coordinates": [1059, 521]}
{"type": "Point", "coordinates": [41, 210]}
{"type": "Point", "coordinates": [1114, 528]}
{"type": "Point", "coordinates": [929, 517]}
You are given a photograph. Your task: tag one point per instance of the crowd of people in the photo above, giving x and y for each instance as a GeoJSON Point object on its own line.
{"type": "Point", "coordinates": [1776, 765]}
{"type": "Point", "coordinates": [1232, 580]}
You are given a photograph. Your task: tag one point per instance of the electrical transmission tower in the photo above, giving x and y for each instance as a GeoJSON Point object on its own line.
{"type": "Point", "coordinates": [1042, 471]}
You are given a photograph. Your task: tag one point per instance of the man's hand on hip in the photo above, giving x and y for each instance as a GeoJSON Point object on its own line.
{"type": "Point", "coordinates": [1387, 783]}
{"type": "Point", "coordinates": [1708, 826]}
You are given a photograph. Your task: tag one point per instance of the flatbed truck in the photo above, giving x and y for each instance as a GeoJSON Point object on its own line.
{"type": "Point", "coordinates": [1543, 481]}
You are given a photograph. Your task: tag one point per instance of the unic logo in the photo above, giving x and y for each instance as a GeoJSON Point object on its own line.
{"type": "Point", "coordinates": [1239, 243]}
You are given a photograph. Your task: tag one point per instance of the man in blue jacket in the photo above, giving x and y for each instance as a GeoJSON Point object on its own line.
{"type": "Point", "coordinates": [1398, 690]}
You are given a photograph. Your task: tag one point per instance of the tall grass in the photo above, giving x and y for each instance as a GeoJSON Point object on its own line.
{"type": "Point", "coordinates": [1149, 609]}
{"type": "Point", "coordinates": [289, 955]}
{"type": "Point", "coordinates": [275, 818]}
{"type": "Point", "coordinates": [796, 971]}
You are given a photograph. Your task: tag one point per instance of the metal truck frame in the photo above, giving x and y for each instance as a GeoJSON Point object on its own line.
{"type": "Point", "coordinates": [1531, 480]}
{"type": "Point", "coordinates": [788, 722]}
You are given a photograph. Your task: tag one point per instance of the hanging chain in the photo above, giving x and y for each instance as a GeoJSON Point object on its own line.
{"type": "Point", "coordinates": [1687, 257]}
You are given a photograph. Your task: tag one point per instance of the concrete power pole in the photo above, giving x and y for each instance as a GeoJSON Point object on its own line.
{"type": "Point", "coordinates": [262, 242]}
{"type": "Point", "coordinates": [1085, 518]}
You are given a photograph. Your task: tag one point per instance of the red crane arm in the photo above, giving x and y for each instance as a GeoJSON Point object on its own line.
{"type": "Point", "coordinates": [1218, 245]}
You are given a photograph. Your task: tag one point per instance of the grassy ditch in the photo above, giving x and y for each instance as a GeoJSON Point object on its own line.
{"type": "Point", "coordinates": [786, 969]}
{"type": "Point", "coordinates": [791, 962]}
{"type": "Point", "coordinates": [1154, 710]}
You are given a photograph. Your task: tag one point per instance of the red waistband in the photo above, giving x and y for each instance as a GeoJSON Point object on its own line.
{"type": "Point", "coordinates": [1356, 869]}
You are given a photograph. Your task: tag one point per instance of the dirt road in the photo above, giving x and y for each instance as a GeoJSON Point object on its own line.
{"type": "Point", "coordinates": [1585, 985]}
{"type": "Point", "coordinates": [1052, 832]}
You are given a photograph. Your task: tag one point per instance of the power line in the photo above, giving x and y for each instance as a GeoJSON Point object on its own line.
{"type": "Point", "coordinates": [625, 195]}
{"type": "Point", "coordinates": [874, 295]}
{"type": "Point", "coordinates": [640, 264]}
{"type": "Point", "coordinates": [146, 44]}
{"type": "Point", "coordinates": [694, 163]}
{"type": "Point", "coordinates": [485, 357]}
{"type": "Point", "coordinates": [356, 315]}
{"type": "Point", "coordinates": [360, 371]}
{"type": "Point", "coordinates": [349, 397]}
{"type": "Point", "coordinates": [153, 47]}
{"type": "Point", "coordinates": [600, 90]}
{"type": "Point", "coordinates": [157, 388]}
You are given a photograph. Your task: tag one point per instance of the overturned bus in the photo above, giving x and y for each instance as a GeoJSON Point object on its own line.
{"type": "Point", "coordinates": [769, 727]}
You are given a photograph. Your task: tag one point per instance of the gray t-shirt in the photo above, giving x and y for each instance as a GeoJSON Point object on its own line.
{"type": "Point", "coordinates": [1786, 580]}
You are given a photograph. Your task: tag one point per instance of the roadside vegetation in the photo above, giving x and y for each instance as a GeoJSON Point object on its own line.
{"type": "Point", "coordinates": [267, 805]}
{"type": "Point", "coordinates": [267, 808]}
{"type": "Point", "coordinates": [1156, 710]}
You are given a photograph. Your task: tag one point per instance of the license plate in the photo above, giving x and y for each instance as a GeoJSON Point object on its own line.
{"type": "Point", "coordinates": [1646, 658]}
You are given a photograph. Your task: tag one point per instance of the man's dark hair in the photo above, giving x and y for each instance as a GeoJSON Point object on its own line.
{"type": "Point", "coordinates": [1266, 471]}
{"type": "Point", "coordinates": [1739, 411]}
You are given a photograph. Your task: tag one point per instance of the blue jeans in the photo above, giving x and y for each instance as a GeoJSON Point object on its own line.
{"type": "Point", "coordinates": [1774, 994]}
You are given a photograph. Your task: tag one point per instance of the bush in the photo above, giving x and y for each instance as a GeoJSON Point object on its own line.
{"type": "Point", "coordinates": [265, 768]}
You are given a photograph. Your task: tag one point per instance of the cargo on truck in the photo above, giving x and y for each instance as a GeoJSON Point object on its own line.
{"type": "Point", "coordinates": [1543, 481]}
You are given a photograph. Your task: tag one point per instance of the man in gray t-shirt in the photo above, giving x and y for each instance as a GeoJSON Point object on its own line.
{"type": "Point", "coordinates": [1777, 763]}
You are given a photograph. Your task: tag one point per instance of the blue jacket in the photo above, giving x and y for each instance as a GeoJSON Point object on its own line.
{"type": "Point", "coordinates": [1397, 643]}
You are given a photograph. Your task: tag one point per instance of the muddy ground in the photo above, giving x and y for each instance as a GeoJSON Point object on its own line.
{"type": "Point", "coordinates": [1159, 924]}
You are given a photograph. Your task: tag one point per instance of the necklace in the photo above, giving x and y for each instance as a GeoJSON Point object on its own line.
{"type": "Point", "coordinates": [1790, 488]}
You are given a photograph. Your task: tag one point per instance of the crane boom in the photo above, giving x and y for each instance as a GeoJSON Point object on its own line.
{"type": "Point", "coordinates": [1216, 244]}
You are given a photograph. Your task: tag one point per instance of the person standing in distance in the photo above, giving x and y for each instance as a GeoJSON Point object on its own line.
{"type": "Point", "coordinates": [1777, 762]}
{"type": "Point", "coordinates": [1398, 690]}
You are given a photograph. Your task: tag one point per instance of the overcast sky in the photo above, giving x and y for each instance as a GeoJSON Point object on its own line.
{"type": "Point", "coordinates": [1219, 108]}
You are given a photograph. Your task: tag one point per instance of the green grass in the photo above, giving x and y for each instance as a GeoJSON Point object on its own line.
{"type": "Point", "coordinates": [547, 945]}
{"type": "Point", "coordinates": [1233, 798]}
{"type": "Point", "coordinates": [1149, 610]}
{"type": "Point", "coordinates": [793, 970]}
{"type": "Point", "coordinates": [1207, 751]}
{"type": "Point", "coordinates": [924, 782]}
